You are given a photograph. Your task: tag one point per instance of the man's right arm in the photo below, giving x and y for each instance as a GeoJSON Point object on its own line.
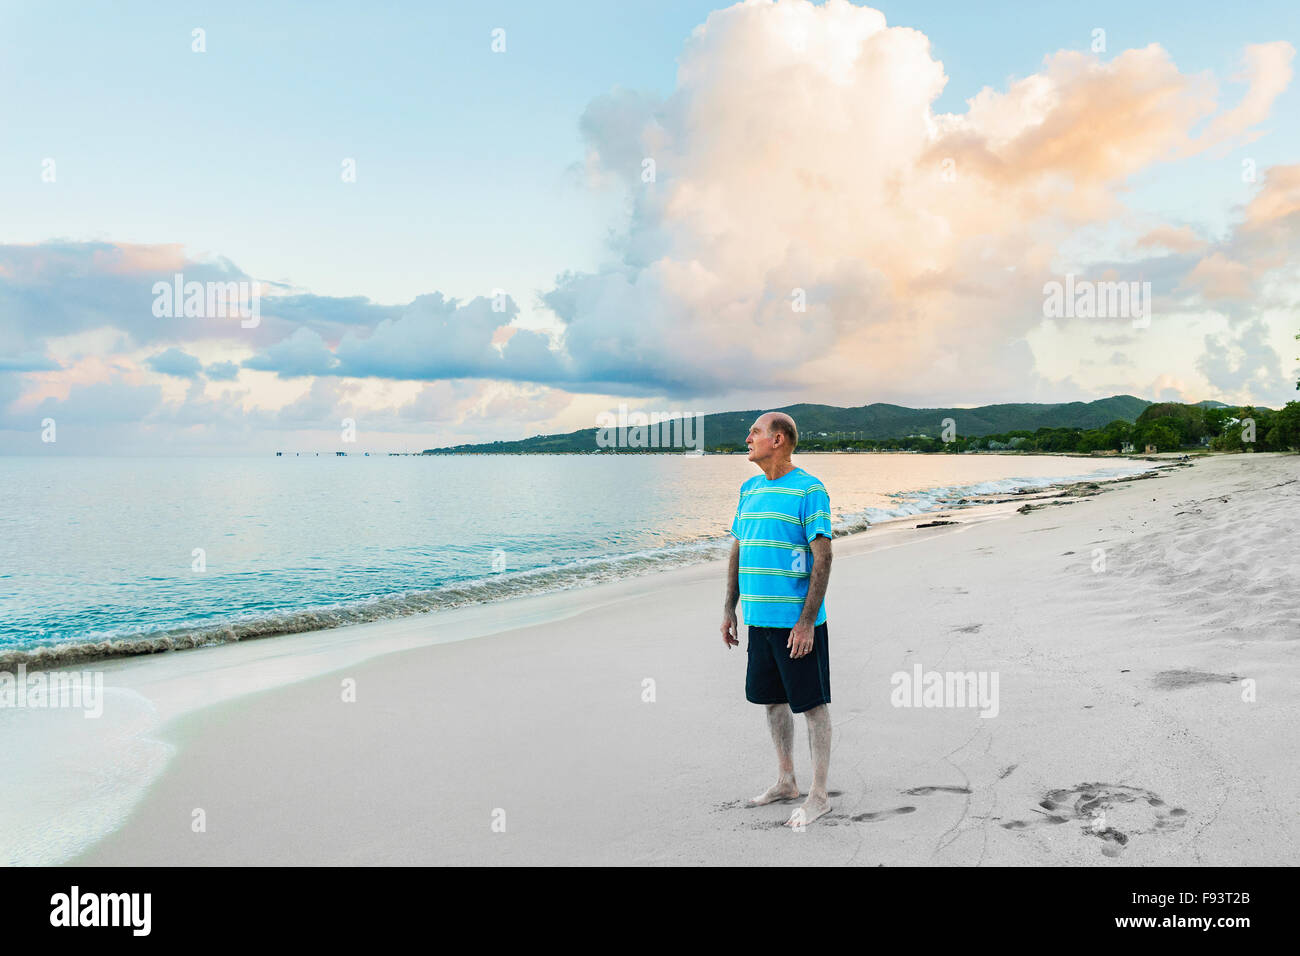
{"type": "Point", "coordinates": [730, 628]}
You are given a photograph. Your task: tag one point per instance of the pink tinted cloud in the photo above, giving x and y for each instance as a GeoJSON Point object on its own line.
{"type": "Point", "coordinates": [1173, 238]}
{"type": "Point", "coordinates": [1267, 71]}
{"type": "Point", "coordinates": [814, 221]}
{"type": "Point", "coordinates": [125, 258]}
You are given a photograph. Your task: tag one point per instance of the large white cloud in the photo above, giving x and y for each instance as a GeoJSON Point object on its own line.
{"type": "Point", "coordinates": [800, 151]}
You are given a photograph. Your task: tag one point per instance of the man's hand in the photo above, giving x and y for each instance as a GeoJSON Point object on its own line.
{"type": "Point", "coordinates": [730, 630]}
{"type": "Point", "coordinates": [800, 641]}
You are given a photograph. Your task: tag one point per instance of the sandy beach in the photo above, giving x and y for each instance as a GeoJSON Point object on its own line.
{"type": "Point", "coordinates": [1143, 641]}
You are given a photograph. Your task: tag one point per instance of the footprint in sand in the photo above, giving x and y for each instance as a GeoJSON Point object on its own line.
{"type": "Point", "coordinates": [1113, 813]}
{"type": "Point", "coordinates": [878, 815]}
{"type": "Point", "coordinates": [1026, 824]}
{"type": "Point", "coordinates": [1176, 680]}
{"type": "Point", "coordinates": [833, 819]}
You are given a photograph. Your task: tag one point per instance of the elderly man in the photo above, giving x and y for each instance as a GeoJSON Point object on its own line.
{"type": "Point", "coordinates": [780, 565]}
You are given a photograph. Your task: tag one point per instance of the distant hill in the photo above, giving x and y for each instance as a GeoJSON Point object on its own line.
{"type": "Point", "coordinates": [728, 429]}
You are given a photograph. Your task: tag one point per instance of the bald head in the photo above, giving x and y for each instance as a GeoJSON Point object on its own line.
{"type": "Point", "coordinates": [779, 423]}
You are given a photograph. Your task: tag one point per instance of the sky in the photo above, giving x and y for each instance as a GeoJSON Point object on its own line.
{"type": "Point", "coordinates": [468, 222]}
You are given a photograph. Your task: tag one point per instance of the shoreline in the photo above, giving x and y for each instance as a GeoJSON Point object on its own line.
{"type": "Point", "coordinates": [151, 695]}
{"type": "Point", "coordinates": [590, 572]}
{"type": "Point", "coordinates": [384, 779]}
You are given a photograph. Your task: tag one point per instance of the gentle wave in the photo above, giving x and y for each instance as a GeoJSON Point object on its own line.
{"type": "Point", "coordinates": [498, 587]}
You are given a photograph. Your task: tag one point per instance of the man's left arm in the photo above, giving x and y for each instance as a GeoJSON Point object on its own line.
{"type": "Point", "coordinates": [800, 641]}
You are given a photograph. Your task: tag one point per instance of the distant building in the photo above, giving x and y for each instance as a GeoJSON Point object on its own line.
{"type": "Point", "coordinates": [1151, 449]}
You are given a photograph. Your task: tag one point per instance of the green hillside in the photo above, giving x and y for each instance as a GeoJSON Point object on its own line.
{"type": "Point", "coordinates": [727, 430]}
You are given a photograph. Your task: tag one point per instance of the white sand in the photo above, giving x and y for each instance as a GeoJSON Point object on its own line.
{"type": "Point", "coordinates": [1097, 685]}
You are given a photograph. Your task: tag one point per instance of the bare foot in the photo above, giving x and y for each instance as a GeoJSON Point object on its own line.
{"type": "Point", "coordinates": [815, 806]}
{"type": "Point", "coordinates": [781, 790]}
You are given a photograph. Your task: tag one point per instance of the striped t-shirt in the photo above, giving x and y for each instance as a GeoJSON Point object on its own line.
{"type": "Point", "coordinates": [775, 522]}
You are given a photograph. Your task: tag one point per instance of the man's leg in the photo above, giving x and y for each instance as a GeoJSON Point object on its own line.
{"type": "Point", "coordinates": [819, 742]}
{"type": "Point", "coordinates": [781, 723]}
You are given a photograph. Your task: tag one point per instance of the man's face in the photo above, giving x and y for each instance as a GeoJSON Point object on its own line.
{"type": "Point", "coordinates": [761, 440]}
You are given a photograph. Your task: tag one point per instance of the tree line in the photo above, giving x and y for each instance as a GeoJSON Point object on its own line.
{"type": "Point", "coordinates": [1169, 426]}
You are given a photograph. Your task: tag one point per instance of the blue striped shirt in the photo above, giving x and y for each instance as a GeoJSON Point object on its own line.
{"type": "Point", "coordinates": [775, 523]}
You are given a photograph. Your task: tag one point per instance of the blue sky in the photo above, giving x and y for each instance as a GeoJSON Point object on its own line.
{"type": "Point", "coordinates": [463, 155]}
{"type": "Point", "coordinates": [473, 170]}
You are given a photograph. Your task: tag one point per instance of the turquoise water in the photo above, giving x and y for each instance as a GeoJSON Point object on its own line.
{"type": "Point", "coordinates": [98, 555]}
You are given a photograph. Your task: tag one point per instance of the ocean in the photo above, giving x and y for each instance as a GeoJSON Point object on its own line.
{"type": "Point", "coordinates": [113, 556]}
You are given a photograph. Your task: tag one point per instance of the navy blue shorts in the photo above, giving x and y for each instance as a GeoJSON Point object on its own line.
{"type": "Point", "coordinates": [773, 678]}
